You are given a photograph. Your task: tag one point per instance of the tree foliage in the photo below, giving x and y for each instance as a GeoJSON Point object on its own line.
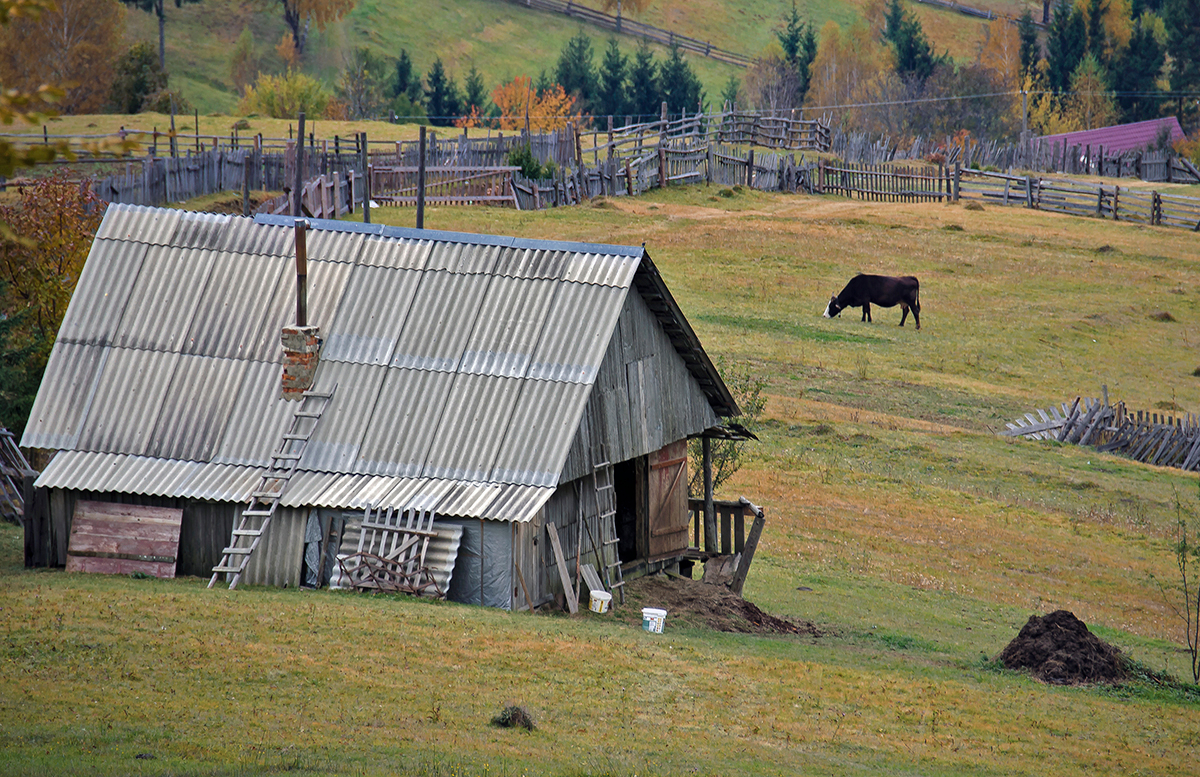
{"type": "Point", "coordinates": [550, 111]}
{"type": "Point", "coordinates": [56, 219]}
{"type": "Point", "coordinates": [300, 15]}
{"type": "Point", "coordinates": [363, 84]}
{"type": "Point", "coordinates": [681, 88]}
{"type": "Point", "coordinates": [612, 93]}
{"type": "Point", "coordinates": [73, 43]}
{"type": "Point", "coordinates": [575, 71]}
{"type": "Point", "coordinates": [799, 44]}
{"type": "Point", "coordinates": [914, 57]}
{"type": "Point", "coordinates": [156, 7]}
{"type": "Point", "coordinates": [1066, 45]}
{"type": "Point", "coordinates": [727, 455]}
{"type": "Point", "coordinates": [1135, 74]}
{"type": "Point", "coordinates": [243, 64]}
{"type": "Point", "coordinates": [645, 94]}
{"type": "Point", "coordinates": [1030, 51]}
{"type": "Point", "coordinates": [1182, 19]}
{"type": "Point", "coordinates": [283, 97]}
{"type": "Point", "coordinates": [1090, 105]}
{"type": "Point", "coordinates": [443, 103]}
{"type": "Point", "coordinates": [137, 79]}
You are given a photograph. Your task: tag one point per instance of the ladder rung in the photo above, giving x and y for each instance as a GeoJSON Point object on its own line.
{"type": "Point", "coordinates": [287, 456]}
{"type": "Point", "coordinates": [308, 413]}
{"type": "Point", "coordinates": [255, 513]}
{"type": "Point", "coordinates": [270, 495]}
{"type": "Point", "coordinates": [318, 394]}
{"type": "Point", "coordinates": [247, 532]}
{"type": "Point", "coordinates": [237, 551]}
{"type": "Point", "coordinates": [615, 586]}
{"type": "Point", "coordinates": [611, 542]}
{"type": "Point", "coordinates": [218, 569]}
{"type": "Point", "coordinates": [290, 436]}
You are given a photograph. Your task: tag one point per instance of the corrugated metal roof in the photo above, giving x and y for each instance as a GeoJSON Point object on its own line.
{"type": "Point", "coordinates": [103, 289]}
{"type": "Point", "coordinates": [1135, 136]}
{"type": "Point", "coordinates": [463, 362]}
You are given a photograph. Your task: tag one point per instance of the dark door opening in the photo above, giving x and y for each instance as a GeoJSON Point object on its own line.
{"type": "Point", "coordinates": [625, 483]}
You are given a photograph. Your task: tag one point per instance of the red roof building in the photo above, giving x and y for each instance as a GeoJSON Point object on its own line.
{"type": "Point", "coordinates": [1122, 137]}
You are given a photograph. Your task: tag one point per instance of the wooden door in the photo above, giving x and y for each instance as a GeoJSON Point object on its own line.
{"type": "Point", "coordinates": [668, 500]}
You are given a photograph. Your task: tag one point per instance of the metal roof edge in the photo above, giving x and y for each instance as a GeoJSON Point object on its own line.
{"type": "Point", "coordinates": [651, 286]}
{"type": "Point", "coordinates": [412, 233]}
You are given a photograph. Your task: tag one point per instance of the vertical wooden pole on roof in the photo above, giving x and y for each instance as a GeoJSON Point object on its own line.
{"type": "Point", "coordinates": [301, 273]}
{"type": "Point", "coordinates": [421, 179]}
{"type": "Point", "coordinates": [298, 184]}
{"type": "Point", "coordinates": [710, 514]}
{"type": "Point", "coordinates": [480, 562]}
{"type": "Point", "coordinates": [366, 181]}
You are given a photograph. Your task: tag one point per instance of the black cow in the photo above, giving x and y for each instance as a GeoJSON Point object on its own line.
{"type": "Point", "coordinates": [884, 290]}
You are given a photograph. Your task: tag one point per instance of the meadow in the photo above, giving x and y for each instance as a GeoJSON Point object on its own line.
{"type": "Point", "coordinates": [915, 538]}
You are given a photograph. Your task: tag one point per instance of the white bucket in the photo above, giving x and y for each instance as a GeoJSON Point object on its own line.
{"type": "Point", "coordinates": [599, 601]}
{"type": "Point", "coordinates": [653, 620]}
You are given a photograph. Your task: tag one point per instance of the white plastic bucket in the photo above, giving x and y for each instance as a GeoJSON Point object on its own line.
{"type": "Point", "coordinates": [653, 619]}
{"type": "Point", "coordinates": [599, 601]}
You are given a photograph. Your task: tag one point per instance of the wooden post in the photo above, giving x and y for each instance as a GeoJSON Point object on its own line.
{"type": "Point", "coordinates": [708, 164]}
{"type": "Point", "coordinates": [662, 166]}
{"type": "Point", "coordinates": [739, 576]}
{"type": "Point", "coordinates": [957, 181]}
{"type": "Point", "coordinates": [366, 181]}
{"type": "Point", "coordinates": [421, 179]}
{"type": "Point", "coordinates": [710, 515]}
{"type": "Point", "coordinates": [750, 169]}
{"type": "Point", "coordinates": [246, 157]}
{"type": "Point", "coordinates": [298, 184]}
{"type": "Point", "coordinates": [628, 178]}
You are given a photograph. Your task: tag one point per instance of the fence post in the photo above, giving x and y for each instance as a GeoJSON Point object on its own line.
{"type": "Point", "coordinates": [421, 179]}
{"type": "Point", "coordinates": [629, 178]}
{"type": "Point", "coordinates": [662, 166]}
{"type": "Point", "coordinates": [1028, 191]}
{"type": "Point", "coordinates": [957, 181]}
{"type": "Point", "coordinates": [708, 164]}
{"type": "Point", "coordinates": [750, 169]}
{"type": "Point", "coordinates": [1116, 202]}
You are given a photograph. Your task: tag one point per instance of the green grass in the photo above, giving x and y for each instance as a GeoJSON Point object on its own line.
{"type": "Point", "coordinates": [503, 40]}
{"type": "Point", "coordinates": [918, 542]}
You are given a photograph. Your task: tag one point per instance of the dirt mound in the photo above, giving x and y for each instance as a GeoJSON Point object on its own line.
{"type": "Point", "coordinates": [695, 603]}
{"type": "Point", "coordinates": [1059, 649]}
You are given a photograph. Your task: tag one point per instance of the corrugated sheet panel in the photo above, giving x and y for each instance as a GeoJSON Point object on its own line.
{"type": "Point", "coordinates": [444, 312]}
{"type": "Point", "coordinates": [428, 495]}
{"type": "Point", "coordinates": [464, 258]}
{"type": "Point", "coordinates": [229, 324]}
{"type": "Point", "coordinates": [335, 444]}
{"type": "Point", "coordinates": [305, 488]}
{"type": "Point", "coordinates": [510, 325]}
{"type": "Point", "coordinates": [602, 269]}
{"type": "Point", "coordinates": [155, 226]}
{"type": "Point", "coordinates": [517, 503]}
{"type": "Point", "coordinates": [477, 413]}
{"type": "Point", "coordinates": [280, 555]}
{"type": "Point", "coordinates": [372, 313]}
{"type": "Point", "coordinates": [81, 470]}
{"type": "Point", "coordinates": [201, 230]}
{"type": "Point", "coordinates": [540, 263]}
{"type": "Point", "coordinates": [164, 298]}
{"type": "Point", "coordinates": [399, 435]}
{"type": "Point", "coordinates": [469, 500]}
{"type": "Point", "coordinates": [196, 407]}
{"type": "Point", "coordinates": [539, 435]}
{"type": "Point", "coordinates": [328, 246]}
{"type": "Point", "coordinates": [440, 555]}
{"type": "Point", "coordinates": [57, 416]}
{"type": "Point", "coordinates": [244, 236]}
{"type": "Point", "coordinates": [128, 400]}
{"type": "Point", "coordinates": [569, 351]}
{"type": "Point", "coordinates": [221, 483]}
{"type": "Point", "coordinates": [395, 254]}
{"type": "Point", "coordinates": [259, 418]}
{"type": "Point", "coordinates": [104, 286]}
{"type": "Point", "coordinates": [341, 491]}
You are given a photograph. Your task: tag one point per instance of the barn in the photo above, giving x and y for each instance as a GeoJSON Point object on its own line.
{"type": "Point", "coordinates": [494, 385]}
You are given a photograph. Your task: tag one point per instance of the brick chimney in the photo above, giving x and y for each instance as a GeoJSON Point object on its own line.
{"type": "Point", "coordinates": [301, 342]}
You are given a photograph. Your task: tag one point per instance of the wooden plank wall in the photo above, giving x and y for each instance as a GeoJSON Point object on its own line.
{"type": "Point", "coordinates": [116, 539]}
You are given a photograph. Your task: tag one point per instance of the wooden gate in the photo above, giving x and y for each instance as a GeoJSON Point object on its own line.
{"type": "Point", "coordinates": [668, 500]}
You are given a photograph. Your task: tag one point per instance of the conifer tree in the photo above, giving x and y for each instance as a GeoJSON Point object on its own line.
{"type": "Point", "coordinates": [1066, 45]}
{"type": "Point", "coordinates": [1030, 53]}
{"type": "Point", "coordinates": [1182, 18]}
{"type": "Point", "coordinates": [1135, 75]}
{"type": "Point", "coordinates": [799, 43]}
{"type": "Point", "coordinates": [645, 94]}
{"type": "Point", "coordinates": [681, 89]}
{"type": "Point", "coordinates": [612, 97]}
{"type": "Point", "coordinates": [441, 96]}
{"type": "Point", "coordinates": [575, 72]}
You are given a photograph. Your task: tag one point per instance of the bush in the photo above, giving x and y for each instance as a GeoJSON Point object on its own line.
{"type": "Point", "coordinates": [283, 97]}
{"type": "Point", "coordinates": [137, 78]}
{"type": "Point", "coordinates": [523, 158]}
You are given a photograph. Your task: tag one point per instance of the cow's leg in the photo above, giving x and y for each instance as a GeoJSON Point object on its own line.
{"type": "Point", "coordinates": [866, 311]}
{"type": "Point", "coordinates": [904, 313]}
{"type": "Point", "coordinates": [916, 310]}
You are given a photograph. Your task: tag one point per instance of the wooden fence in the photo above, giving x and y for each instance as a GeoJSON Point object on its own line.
{"type": "Point", "coordinates": [621, 25]}
{"type": "Point", "coordinates": [1152, 438]}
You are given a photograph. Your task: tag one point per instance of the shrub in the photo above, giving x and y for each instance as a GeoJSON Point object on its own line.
{"type": "Point", "coordinates": [523, 157]}
{"type": "Point", "coordinates": [283, 97]}
{"type": "Point", "coordinates": [137, 77]}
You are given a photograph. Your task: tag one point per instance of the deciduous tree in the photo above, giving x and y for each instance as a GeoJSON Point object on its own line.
{"type": "Point", "coordinates": [363, 83]}
{"type": "Point", "coordinates": [300, 15]}
{"type": "Point", "coordinates": [549, 111]}
{"type": "Point", "coordinates": [1091, 104]}
{"type": "Point", "coordinates": [73, 43]}
{"type": "Point", "coordinates": [243, 65]}
{"type": "Point", "coordinates": [157, 7]}
{"type": "Point", "coordinates": [138, 77]}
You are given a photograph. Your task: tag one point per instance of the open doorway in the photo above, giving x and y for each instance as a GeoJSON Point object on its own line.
{"type": "Point", "coordinates": [625, 485]}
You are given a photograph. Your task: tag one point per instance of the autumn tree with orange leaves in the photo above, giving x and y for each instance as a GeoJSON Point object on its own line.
{"type": "Point", "coordinates": [552, 110]}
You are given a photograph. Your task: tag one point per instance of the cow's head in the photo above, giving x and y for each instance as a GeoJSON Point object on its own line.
{"type": "Point", "coordinates": [834, 307]}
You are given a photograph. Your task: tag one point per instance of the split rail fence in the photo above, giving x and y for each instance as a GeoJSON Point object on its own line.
{"type": "Point", "coordinates": [1151, 438]}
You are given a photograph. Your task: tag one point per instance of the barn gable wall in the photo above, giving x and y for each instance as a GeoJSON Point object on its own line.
{"type": "Point", "coordinates": [644, 396]}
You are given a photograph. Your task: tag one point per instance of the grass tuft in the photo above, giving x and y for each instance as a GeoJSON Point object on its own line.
{"type": "Point", "coordinates": [514, 716]}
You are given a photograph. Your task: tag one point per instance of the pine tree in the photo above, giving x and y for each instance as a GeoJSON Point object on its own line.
{"type": "Point", "coordinates": [1030, 52]}
{"type": "Point", "coordinates": [729, 95]}
{"type": "Point", "coordinates": [681, 89]}
{"type": "Point", "coordinates": [476, 95]}
{"type": "Point", "coordinates": [1066, 45]}
{"type": "Point", "coordinates": [645, 94]}
{"type": "Point", "coordinates": [799, 43]}
{"type": "Point", "coordinates": [441, 96]}
{"type": "Point", "coordinates": [575, 72]}
{"type": "Point", "coordinates": [407, 82]}
{"type": "Point", "coordinates": [1097, 36]}
{"type": "Point", "coordinates": [915, 59]}
{"type": "Point", "coordinates": [612, 96]}
{"type": "Point", "coordinates": [1182, 18]}
{"type": "Point", "coordinates": [1135, 75]}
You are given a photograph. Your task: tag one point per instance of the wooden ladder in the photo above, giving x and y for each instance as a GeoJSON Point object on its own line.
{"type": "Point", "coordinates": [605, 493]}
{"type": "Point", "coordinates": [265, 498]}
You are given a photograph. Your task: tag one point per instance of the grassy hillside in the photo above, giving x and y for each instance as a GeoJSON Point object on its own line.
{"type": "Point", "coordinates": [917, 540]}
{"type": "Point", "coordinates": [501, 39]}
